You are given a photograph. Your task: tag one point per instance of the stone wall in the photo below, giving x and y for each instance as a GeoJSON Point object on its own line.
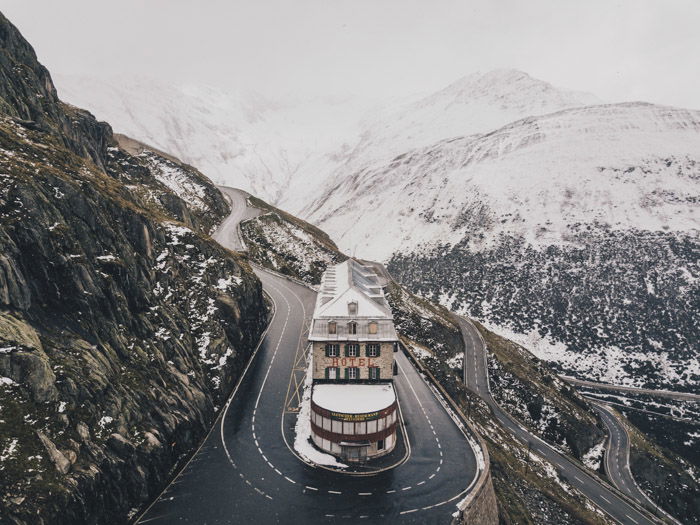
{"type": "Point", "coordinates": [385, 361]}
{"type": "Point", "coordinates": [481, 507]}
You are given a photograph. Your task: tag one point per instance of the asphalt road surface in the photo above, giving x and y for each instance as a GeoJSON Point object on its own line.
{"type": "Point", "coordinates": [476, 378]}
{"type": "Point", "coordinates": [617, 454]}
{"type": "Point", "coordinates": [246, 472]}
{"type": "Point", "coordinates": [681, 396]}
{"type": "Point", "coordinates": [227, 233]}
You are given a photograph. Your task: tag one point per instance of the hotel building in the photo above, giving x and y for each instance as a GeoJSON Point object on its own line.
{"type": "Point", "coordinates": [354, 412]}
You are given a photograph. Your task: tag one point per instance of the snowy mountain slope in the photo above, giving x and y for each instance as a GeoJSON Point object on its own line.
{"type": "Point", "coordinates": [236, 138]}
{"type": "Point", "coordinates": [575, 233]}
{"type": "Point", "coordinates": [279, 149]}
{"type": "Point", "coordinates": [624, 165]}
{"type": "Point", "coordinates": [477, 103]}
{"type": "Point", "coordinates": [565, 223]}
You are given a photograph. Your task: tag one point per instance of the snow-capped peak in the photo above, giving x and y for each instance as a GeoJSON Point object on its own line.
{"type": "Point", "coordinates": [511, 89]}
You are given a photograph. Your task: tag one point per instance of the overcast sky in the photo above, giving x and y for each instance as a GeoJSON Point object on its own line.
{"type": "Point", "coordinates": [618, 50]}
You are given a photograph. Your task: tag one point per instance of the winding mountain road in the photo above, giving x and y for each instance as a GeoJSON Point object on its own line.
{"type": "Point", "coordinates": [617, 454]}
{"type": "Point", "coordinates": [618, 508]}
{"type": "Point", "coordinates": [246, 472]}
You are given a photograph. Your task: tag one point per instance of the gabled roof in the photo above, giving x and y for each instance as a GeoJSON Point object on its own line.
{"type": "Point", "coordinates": [351, 282]}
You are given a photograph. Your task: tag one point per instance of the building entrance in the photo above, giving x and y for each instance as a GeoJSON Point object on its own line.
{"type": "Point", "coordinates": [354, 452]}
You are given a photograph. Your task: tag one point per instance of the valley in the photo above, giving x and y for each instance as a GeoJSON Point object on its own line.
{"type": "Point", "coordinates": [536, 249]}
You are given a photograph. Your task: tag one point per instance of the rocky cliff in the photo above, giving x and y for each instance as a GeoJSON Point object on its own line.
{"type": "Point", "coordinates": [123, 326]}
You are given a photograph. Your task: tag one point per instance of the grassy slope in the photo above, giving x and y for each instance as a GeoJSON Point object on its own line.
{"type": "Point", "coordinates": [286, 244]}
{"type": "Point", "coordinates": [524, 386]}
{"type": "Point", "coordinates": [528, 492]}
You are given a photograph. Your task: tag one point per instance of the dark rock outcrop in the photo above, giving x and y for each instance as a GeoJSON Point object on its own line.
{"type": "Point", "coordinates": [123, 326]}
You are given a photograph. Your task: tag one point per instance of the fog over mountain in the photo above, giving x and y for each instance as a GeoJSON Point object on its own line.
{"type": "Point", "coordinates": [565, 222]}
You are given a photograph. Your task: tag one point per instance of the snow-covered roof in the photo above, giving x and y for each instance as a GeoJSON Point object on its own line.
{"type": "Point", "coordinates": [351, 282]}
{"type": "Point", "coordinates": [351, 291]}
{"type": "Point", "coordinates": [353, 399]}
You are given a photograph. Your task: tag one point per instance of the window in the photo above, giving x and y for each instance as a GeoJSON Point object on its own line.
{"type": "Point", "coordinates": [332, 372]}
{"type": "Point", "coordinates": [348, 428]}
{"type": "Point", "coordinates": [352, 327]}
{"type": "Point", "coordinates": [332, 327]}
{"type": "Point", "coordinates": [373, 349]}
{"type": "Point", "coordinates": [373, 327]}
{"type": "Point", "coordinates": [352, 308]}
{"type": "Point", "coordinates": [380, 444]}
{"type": "Point", "coordinates": [332, 350]}
{"type": "Point", "coordinates": [352, 350]}
{"type": "Point", "coordinates": [374, 372]}
{"type": "Point", "coordinates": [352, 372]}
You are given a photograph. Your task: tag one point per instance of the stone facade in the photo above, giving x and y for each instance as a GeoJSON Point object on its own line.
{"type": "Point", "coordinates": [385, 361]}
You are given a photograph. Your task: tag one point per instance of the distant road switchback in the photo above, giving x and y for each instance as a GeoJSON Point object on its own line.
{"type": "Point", "coordinates": [476, 378]}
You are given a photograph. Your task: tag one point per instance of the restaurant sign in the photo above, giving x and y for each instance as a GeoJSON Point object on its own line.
{"type": "Point", "coordinates": [355, 417]}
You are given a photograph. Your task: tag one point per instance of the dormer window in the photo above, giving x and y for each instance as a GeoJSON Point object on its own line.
{"type": "Point", "coordinates": [352, 327]}
{"type": "Point", "coordinates": [332, 327]}
{"type": "Point", "coordinates": [373, 327]}
{"type": "Point", "coordinates": [352, 308]}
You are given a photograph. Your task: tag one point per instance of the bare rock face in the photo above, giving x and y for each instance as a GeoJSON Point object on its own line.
{"type": "Point", "coordinates": [60, 461]}
{"type": "Point", "coordinates": [123, 326]}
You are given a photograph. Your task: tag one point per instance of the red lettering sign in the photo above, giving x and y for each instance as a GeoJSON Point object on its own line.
{"type": "Point", "coordinates": [335, 362]}
{"type": "Point", "coordinates": [352, 361]}
{"type": "Point", "coordinates": [343, 361]}
{"type": "Point", "coordinates": [361, 362]}
{"type": "Point", "coordinates": [369, 362]}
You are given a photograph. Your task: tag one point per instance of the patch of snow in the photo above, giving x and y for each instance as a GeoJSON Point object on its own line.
{"type": "Point", "coordinates": [594, 456]}
{"type": "Point", "coordinates": [456, 361]}
{"type": "Point", "coordinates": [302, 429]}
{"type": "Point", "coordinates": [178, 179]}
{"type": "Point", "coordinates": [9, 450]}
{"type": "Point", "coordinates": [226, 284]}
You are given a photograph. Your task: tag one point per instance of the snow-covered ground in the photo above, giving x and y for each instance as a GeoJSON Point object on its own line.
{"type": "Point", "coordinates": [623, 166]}
{"type": "Point", "coordinates": [302, 429]}
{"type": "Point", "coordinates": [241, 139]}
{"type": "Point", "coordinates": [607, 365]}
{"type": "Point", "coordinates": [177, 179]}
